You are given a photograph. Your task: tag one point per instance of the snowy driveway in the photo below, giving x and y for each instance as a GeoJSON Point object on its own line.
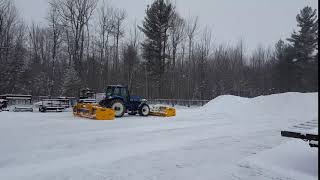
{"type": "Point", "coordinates": [212, 142]}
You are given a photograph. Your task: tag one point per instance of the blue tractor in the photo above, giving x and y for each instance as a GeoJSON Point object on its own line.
{"type": "Point", "coordinates": [118, 98]}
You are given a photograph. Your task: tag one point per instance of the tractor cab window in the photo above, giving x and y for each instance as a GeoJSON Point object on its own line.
{"type": "Point", "coordinates": [109, 92]}
{"type": "Point", "coordinates": [117, 92]}
{"type": "Point", "coordinates": [124, 93]}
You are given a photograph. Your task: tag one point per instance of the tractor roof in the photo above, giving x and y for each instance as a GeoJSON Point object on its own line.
{"type": "Point", "coordinates": [118, 86]}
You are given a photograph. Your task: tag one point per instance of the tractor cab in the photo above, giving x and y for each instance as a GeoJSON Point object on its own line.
{"type": "Point", "coordinates": [118, 92]}
{"type": "Point", "coordinates": [118, 98]}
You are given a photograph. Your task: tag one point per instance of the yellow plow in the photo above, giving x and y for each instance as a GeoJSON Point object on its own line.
{"type": "Point", "coordinates": [162, 110]}
{"type": "Point", "coordinates": [93, 111]}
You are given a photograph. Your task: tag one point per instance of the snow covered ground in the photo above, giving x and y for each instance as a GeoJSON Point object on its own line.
{"type": "Point", "coordinates": [229, 138]}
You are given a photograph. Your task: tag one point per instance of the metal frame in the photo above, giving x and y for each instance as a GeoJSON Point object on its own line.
{"type": "Point", "coordinates": [53, 107]}
{"type": "Point", "coordinates": [297, 133]}
{"type": "Point", "coordinates": [17, 101]}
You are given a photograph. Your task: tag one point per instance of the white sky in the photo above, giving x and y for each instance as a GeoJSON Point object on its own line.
{"type": "Point", "coordinates": [256, 22]}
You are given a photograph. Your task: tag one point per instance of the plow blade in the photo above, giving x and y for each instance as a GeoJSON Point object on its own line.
{"type": "Point", "coordinates": [93, 111]}
{"type": "Point", "coordinates": [161, 110]}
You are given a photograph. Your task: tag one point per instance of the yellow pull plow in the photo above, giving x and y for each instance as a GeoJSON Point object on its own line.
{"type": "Point", "coordinates": [162, 110]}
{"type": "Point", "coordinates": [93, 111]}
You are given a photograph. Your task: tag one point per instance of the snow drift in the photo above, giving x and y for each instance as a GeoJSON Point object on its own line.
{"type": "Point", "coordinates": [295, 105]}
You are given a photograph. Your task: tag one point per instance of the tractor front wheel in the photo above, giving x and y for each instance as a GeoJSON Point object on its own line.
{"type": "Point", "coordinates": [118, 107]}
{"type": "Point", "coordinates": [144, 110]}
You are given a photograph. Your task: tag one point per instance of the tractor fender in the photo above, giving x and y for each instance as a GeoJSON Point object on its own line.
{"type": "Point", "coordinates": [105, 102]}
{"type": "Point", "coordinates": [113, 98]}
{"type": "Point", "coordinates": [142, 105]}
{"type": "Point", "coordinates": [108, 101]}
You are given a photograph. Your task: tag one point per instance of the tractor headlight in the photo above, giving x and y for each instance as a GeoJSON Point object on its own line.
{"type": "Point", "coordinates": [143, 100]}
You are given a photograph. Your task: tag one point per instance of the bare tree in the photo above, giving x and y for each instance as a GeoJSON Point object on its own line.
{"type": "Point", "coordinates": [106, 28]}
{"type": "Point", "coordinates": [8, 23]}
{"type": "Point", "coordinates": [119, 17]}
{"type": "Point", "coordinates": [191, 29]}
{"type": "Point", "coordinates": [177, 34]}
{"type": "Point", "coordinates": [11, 50]}
{"type": "Point", "coordinates": [202, 60]}
{"type": "Point", "coordinates": [135, 35]}
{"type": "Point", "coordinates": [75, 15]}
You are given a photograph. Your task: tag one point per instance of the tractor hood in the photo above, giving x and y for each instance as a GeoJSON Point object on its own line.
{"type": "Point", "coordinates": [137, 99]}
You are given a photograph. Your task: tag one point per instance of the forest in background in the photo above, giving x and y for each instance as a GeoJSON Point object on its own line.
{"type": "Point", "coordinates": [86, 44]}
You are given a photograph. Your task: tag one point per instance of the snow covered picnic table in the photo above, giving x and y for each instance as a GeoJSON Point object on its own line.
{"type": "Point", "coordinates": [307, 131]}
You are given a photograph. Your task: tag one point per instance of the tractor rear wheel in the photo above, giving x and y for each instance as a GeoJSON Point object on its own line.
{"type": "Point", "coordinates": [118, 107]}
{"type": "Point", "coordinates": [144, 110]}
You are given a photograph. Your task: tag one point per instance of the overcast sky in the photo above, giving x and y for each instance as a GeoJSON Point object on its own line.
{"type": "Point", "coordinates": [256, 22]}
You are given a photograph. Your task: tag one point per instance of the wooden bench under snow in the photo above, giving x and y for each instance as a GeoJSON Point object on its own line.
{"type": "Point", "coordinates": [307, 131]}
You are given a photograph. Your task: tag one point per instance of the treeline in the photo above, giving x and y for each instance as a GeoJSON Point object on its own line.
{"type": "Point", "coordinates": [86, 43]}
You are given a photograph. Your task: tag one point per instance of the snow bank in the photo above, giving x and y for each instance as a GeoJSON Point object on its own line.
{"type": "Point", "coordinates": [295, 105]}
{"type": "Point", "coordinates": [291, 160]}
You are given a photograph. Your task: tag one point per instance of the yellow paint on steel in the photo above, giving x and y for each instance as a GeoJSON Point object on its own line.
{"type": "Point", "coordinates": [164, 111]}
{"type": "Point", "coordinates": [93, 111]}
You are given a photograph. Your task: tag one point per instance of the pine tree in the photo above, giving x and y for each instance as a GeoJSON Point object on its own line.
{"type": "Point", "coordinates": [304, 46]}
{"type": "Point", "coordinates": [155, 27]}
{"type": "Point", "coordinates": [305, 40]}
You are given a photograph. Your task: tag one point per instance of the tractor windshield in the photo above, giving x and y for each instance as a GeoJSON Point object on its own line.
{"type": "Point", "coordinates": [116, 91]}
{"type": "Point", "coordinates": [109, 91]}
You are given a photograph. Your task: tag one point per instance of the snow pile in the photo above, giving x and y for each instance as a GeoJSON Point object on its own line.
{"type": "Point", "coordinates": [293, 105]}
{"type": "Point", "coordinates": [225, 104]}
{"type": "Point", "coordinates": [291, 160]}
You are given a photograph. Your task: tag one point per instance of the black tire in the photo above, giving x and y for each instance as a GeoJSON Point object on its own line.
{"type": "Point", "coordinates": [118, 106]}
{"type": "Point", "coordinates": [74, 109]}
{"type": "Point", "coordinates": [42, 110]}
{"type": "Point", "coordinates": [144, 110]}
{"type": "Point", "coordinates": [103, 103]}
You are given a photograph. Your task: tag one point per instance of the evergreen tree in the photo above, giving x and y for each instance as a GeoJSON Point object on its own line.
{"type": "Point", "coordinates": [155, 27]}
{"type": "Point", "coordinates": [304, 45]}
{"type": "Point", "coordinates": [305, 40]}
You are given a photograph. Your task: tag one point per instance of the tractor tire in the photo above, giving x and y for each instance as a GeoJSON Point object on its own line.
{"type": "Point", "coordinates": [118, 106]}
{"type": "Point", "coordinates": [42, 109]}
{"type": "Point", "coordinates": [144, 110]}
{"type": "Point", "coordinates": [103, 103]}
